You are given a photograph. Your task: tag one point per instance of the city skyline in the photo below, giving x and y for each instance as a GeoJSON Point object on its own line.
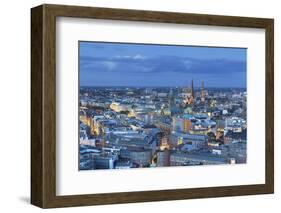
{"type": "Point", "coordinates": [104, 64]}
{"type": "Point", "coordinates": [132, 128]}
{"type": "Point", "coordinates": [148, 106]}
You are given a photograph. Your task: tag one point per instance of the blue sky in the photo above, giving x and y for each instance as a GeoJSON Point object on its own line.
{"type": "Point", "coordinates": [123, 64]}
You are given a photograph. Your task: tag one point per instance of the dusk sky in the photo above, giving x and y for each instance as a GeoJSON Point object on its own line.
{"type": "Point", "coordinates": [123, 64]}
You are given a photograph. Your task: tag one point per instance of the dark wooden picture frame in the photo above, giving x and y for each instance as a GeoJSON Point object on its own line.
{"type": "Point", "coordinates": [43, 105]}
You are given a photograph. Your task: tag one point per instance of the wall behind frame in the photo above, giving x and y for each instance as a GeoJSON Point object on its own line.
{"type": "Point", "coordinates": [15, 104]}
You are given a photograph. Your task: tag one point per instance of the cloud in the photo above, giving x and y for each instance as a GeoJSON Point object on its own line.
{"type": "Point", "coordinates": [137, 56]}
{"type": "Point", "coordinates": [110, 65]}
{"type": "Point", "coordinates": [161, 64]}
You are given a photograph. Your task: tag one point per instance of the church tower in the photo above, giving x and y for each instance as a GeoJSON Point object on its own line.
{"type": "Point", "coordinates": [192, 90]}
{"type": "Point", "coordinates": [202, 92]}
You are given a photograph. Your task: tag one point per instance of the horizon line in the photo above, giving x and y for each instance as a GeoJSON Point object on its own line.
{"type": "Point", "coordinates": [233, 87]}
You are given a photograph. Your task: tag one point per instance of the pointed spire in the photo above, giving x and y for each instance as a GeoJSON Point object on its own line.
{"type": "Point", "coordinates": [202, 92]}
{"type": "Point", "coordinates": [192, 89]}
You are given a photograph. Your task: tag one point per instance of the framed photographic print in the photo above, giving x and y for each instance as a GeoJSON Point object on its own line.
{"type": "Point", "coordinates": [136, 106]}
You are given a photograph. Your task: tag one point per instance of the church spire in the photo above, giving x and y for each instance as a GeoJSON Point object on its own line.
{"type": "Point", "coordinates": [202, 92]}
{"type": "Point", "coordinates": [192, 89]}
